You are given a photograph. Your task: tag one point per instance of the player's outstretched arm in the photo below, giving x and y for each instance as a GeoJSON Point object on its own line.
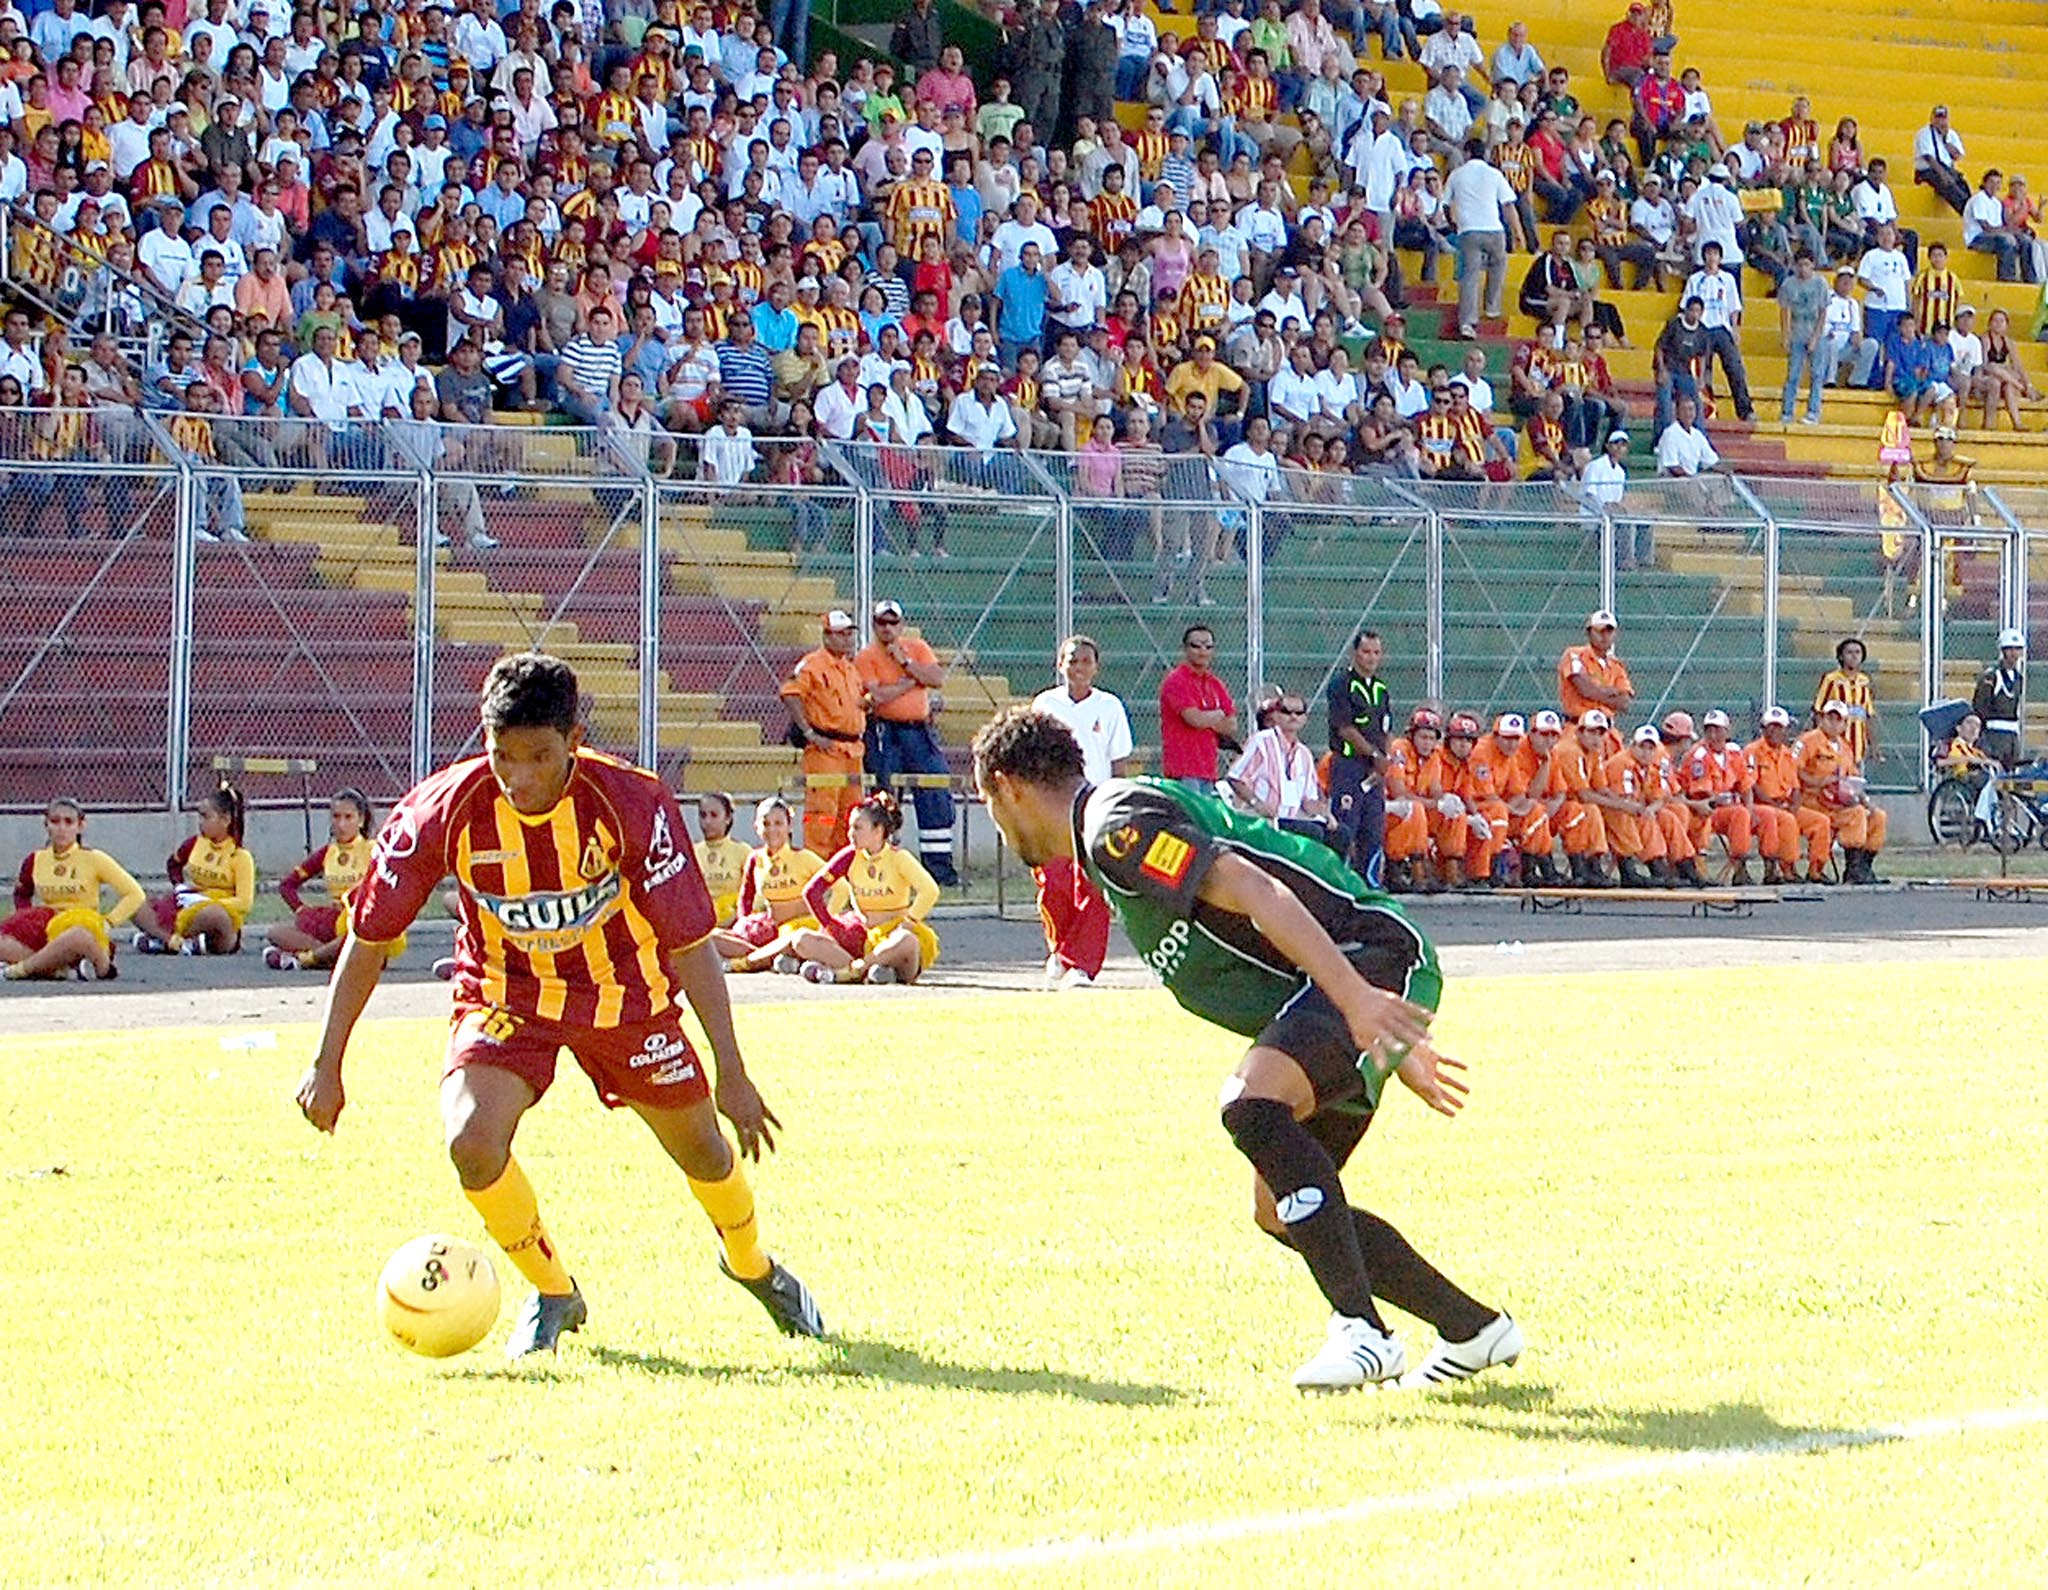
{"type": "Point", "coordinates": [702, 975]}
{"type": "Point", "coordinates": [1380, 1022]}
{"type": "Point", "coordinates": [356, 971]}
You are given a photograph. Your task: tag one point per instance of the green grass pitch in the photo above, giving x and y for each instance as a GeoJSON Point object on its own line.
{"type": "Point", "coordinates": [1730, 1208]}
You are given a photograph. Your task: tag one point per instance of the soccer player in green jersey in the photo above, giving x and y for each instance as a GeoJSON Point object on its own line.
{"type": "Point", "coordinates": [1269, 935]}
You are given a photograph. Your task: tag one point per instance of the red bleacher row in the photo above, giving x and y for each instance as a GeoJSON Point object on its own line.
{"type": "Point", "coordinates": [85, 705]}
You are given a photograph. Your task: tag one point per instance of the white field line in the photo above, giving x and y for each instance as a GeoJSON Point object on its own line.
{"type": "Point", "coordinates": [961, 1566]}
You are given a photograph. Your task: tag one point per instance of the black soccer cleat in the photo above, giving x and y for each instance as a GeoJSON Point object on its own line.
{"type": "Point", "coordinates": [543, 1320]}
{"type": "Point", "coordinates": [788, 1301]}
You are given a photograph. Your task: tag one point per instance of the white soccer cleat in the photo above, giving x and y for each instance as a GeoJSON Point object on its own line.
{"type": "Point", "coordinates": [1054, 968]}
{"type": "Point", "coordinates": [1354, 1354]}
{"type": "Point", "coordinates": [1073, 977]}
{"type": "Point", "coordinates": [786, 966]}
{"type": "Point", "coordinates": [1448, 1363]}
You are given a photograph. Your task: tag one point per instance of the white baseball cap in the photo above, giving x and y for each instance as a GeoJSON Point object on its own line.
{"type": "Point", "coordinates": [1777, 716]}
{"type": "Point", "coordinates": [2012, 637]}
{"type": "Point", "coordinates": [838, 620]}
{"type": "Point", "coordinates": [1647, 735]}
{"type": "Point", "coordinates": [1835, 709]}
{"type": "Point", "coordinates": [1547, 722]}
{"type": "Point", "coordinates": [1594, 718]}
{"type": "Point", "coordinates": [1601, 618]}
{"type": "Point", "coordinates": [1714, 718]}
{"type": "Point", "coordinates": [1509, 726]}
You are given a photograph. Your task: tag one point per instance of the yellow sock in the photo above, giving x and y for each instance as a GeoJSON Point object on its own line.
{"type": "Point", "coordinates": [512, 1217]}
{"type": "Point", "coordinates": [730, 1204]}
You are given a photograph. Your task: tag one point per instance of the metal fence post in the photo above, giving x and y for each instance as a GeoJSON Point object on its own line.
{"type": "Point", "coordinates": [425, 620]}
{"type": "Point", "coordinates": [1063, 570]}
{"type": "Point", "coordinates": [1254, 601]}
{"type": "Point", "coordinates": [1607, 578]}
{"type": "Point", "coordinates": [651, 594]}
{"type": "Point", "coordinates": [1433, 607]}
{"type": "Point", "coordinates": [863, 559]}
{"type": "Point", "coordinates": [184, 583]}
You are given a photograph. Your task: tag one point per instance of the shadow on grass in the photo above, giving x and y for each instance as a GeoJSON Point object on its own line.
{"type": "Point", "coordinates": [858, 1358]}
{"type": "Point", "coordinates": [1532, 1411]}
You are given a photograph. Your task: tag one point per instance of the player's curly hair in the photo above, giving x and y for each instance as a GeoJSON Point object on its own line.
{"type": "Point", "coordinates": [529, 690]}
{"type": "Point", "coordinates": [884, 811]}
{"type": "Point", "coordinates": [1030, 747]}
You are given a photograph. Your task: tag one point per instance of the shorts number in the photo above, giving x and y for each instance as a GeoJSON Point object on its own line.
{"type": "Point", "coordinates": [498, 1025]}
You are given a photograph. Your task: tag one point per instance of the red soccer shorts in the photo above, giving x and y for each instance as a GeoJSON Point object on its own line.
{"type": "Point", "coordinates": [758, 929]}
{"type": "Point", "coordinates": [30, 927]}
{"type": "Point", "coordinates": [321, 923]}
{"type": "Point", "coordinates": [649, 1062]}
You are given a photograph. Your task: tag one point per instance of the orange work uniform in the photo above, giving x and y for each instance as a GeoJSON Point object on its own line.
{"type": "Point", "coordinates": [1823, 761]}
{"type": "Point", "coordinates": [1536, 778]}
{"type": "Point", "coordinates": [1722, 779]}
{"type": "Point", "coordinates": [1580, 824]}
{"type": "Point", "coordinates": [1774, 780]}
{"type": "Point", "coordinates": [1659, 836]}
{"type": "Point", "coordinates": [1407, 831]}
{"type": "Point", "coordinates": [826, 691]}
{"type": "Point", "coordinates": [1475, 780]}
{"type": "Point", "coordinates": [1530, 832]}
{"type": "Point", "coordinates": [1608, 670]}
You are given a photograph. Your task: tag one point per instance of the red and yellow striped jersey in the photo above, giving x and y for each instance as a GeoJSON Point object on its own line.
{"type": "Point", "coordinates": [225, 872]}
{"type": "Point", "coordinates": [1517, 163]}
{"type": "Point", "coordinates": [570, 915]}
{"type": "Point", "coordinates": [1255, 98]}
{"type": "Point", "coordinates": [1209, 297]}
{"type": "Point", "coordinates": [1151, 147]}
{"type": "Point", "coordinates": [612, 118]}
{"type": "Point", "coordinates": [917, 210]}
{"type": "Point", "coordinates": [452, 264]}
{"type": "Point", "coordinates": [1934, 295]}
{"type": "Point", "coordinates": [154, 179]}
{"type": "Point", "coordinates": [72, 882]}
{"type": "Point", "coordinates": [1116, 217]}
{"type": "Point", "coordinates": [394, 268]}
{"type": "Point", "coordinates": [194, 433]}
{"type": "Point", "coordinates": [841, 328]}
{"type": "Point", "coordinates": [340, 868]}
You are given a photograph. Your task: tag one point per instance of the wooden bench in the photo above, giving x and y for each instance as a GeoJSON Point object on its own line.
{"type": "Point", "coordinates": [2003, 890]}
{"type": "Point", "coordinates": [1698, 902]}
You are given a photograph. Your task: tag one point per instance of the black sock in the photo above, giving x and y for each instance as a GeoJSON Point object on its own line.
{"type": "Point", "coordinates": [1303, 1180]}
{"type": "Point", "coordinates": [1409, 1282]}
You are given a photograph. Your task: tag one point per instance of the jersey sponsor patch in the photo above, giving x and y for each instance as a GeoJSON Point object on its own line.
{"type": "Point", "coordinates": [1167, 859]}
{"type": "Point", "coordinates": [550, 924]}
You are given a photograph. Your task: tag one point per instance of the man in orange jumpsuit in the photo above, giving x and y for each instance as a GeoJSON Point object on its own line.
{"type": "Point", "coordinates": [1470, 839]}
{"type": "Point", "coordinates": [827, 710]}
{"type": "Point", "coordinates": [1715, 780]}
{"type": "Point", "coordinates": [1645, 820]}
{"type": "Point", "coordinates": [1538, 781]}
{"type": "Point", "coordinates": [1408, 811]}
{"type": "Point", "coordinates": [1581, 818]}
{"type": "Point", "coordinates": [1774, 790]}
{"type": "Point", "coordinates": [1831, 782]}
{"type": "Point", "coordinates": [1592, 675]}
{"type": "Point", "coordinates": [1522, 823]}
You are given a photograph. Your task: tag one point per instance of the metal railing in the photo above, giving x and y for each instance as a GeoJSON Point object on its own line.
{"type": "Point", "coordinates": [386, 564]}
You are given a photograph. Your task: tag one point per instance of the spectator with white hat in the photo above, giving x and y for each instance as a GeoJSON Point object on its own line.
{"type": "Point", "coordinates": [2000, 698]}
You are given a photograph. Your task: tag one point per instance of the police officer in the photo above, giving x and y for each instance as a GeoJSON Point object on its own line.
{"type": "Point", "coordinates": [2000, 698]}
{"type": "Point", "coordinates": [1360, 725]}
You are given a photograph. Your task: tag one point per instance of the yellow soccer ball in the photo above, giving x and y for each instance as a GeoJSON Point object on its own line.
{"type": "Point", "coordinates": [438, 1296]}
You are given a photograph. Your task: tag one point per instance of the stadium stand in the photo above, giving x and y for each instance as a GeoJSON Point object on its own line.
{"type": "Point", "coordinates": [575, 195]}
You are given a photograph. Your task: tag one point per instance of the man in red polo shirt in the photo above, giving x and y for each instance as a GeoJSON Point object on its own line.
{"type": "Point", "coordinates": [1625, 57]}
{"type": "Point", "coordinates": [1195, 711]}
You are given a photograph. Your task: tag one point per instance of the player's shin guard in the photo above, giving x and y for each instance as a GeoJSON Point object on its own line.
{"type": "Point", "coordinates": [512, 1217]}
{"type": "Point", "coordinates": [1402, 1277]}
{"type": "Point", "coordinates": [1309, 1199]}
{"type": "Point", "coordinates": [729, 1202]}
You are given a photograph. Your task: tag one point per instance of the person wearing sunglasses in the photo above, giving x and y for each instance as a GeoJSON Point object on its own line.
{"type": "Point", "coordinates": [1275, 773]}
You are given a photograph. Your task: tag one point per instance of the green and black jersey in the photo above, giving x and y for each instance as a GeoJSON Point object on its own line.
{"type": "Point", "coordinates": [1149, 843]}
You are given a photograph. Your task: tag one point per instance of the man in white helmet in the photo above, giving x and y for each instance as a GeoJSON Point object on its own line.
{"type": "Point", "coordinates": [2000, 698]}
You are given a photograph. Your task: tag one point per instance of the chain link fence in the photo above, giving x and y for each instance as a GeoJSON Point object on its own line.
{"type": "Point", "coordinates": [90, 519]}
{"type": "Point", "coordinates": [194, 587]}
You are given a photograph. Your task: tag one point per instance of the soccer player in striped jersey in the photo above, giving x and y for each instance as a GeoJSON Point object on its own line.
{"type": "Point", "coordinates": [213, 886]}
{"type": "Point", "coordinates": [1268, 934]}
{"type": "Point", "coordinates": [58, 926]}
{"type": "Point", "coordinates": [313, 937]}
{"type": "Point", "coordinates": [584, 919]}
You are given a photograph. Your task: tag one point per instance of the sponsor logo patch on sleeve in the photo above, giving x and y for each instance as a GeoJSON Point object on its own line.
{"type": "Point", "coordinates": [1167, 859]}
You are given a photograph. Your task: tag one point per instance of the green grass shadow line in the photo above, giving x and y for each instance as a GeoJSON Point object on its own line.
{"type": "Point", "coordinates": [861, 1358]}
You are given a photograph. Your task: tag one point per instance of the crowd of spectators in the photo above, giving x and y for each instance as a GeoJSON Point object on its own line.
{"type": "Point", "coordinates": [673, 216]}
